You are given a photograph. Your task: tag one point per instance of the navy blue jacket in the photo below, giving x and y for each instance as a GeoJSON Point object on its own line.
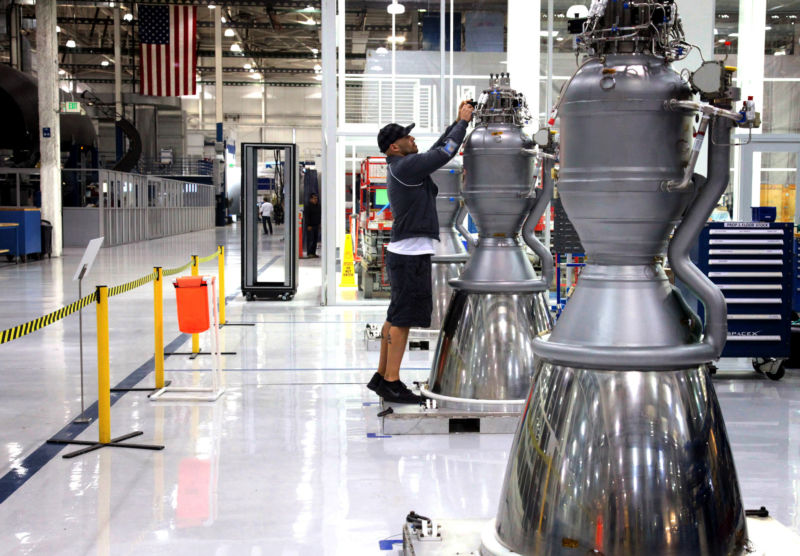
{"type": "Point", "coordinates": [412, 192]}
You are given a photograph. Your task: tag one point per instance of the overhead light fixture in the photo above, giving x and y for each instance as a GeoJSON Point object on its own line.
{"type": "Point", "coordinates": [229, 32]}
{"type": "Point", "coordinates": [376, 68]}
{"type": "Point", "coordinates": [248, 66]}
{"type": "Point", "coordinates": [211, 6]}
{"type": "Point", "coordinates": [309, 21]}
{"type": "Point", "coordinates": [128, 16]}
{"type": "Point", "coordinates": [252, 70]}
{"type": "Point", "coordinates": [716, 31]}
{"type": "Point", "coordinates": [780, 53]}
{"type": "Point", "coordinates": [544, 33]}
{"type": "Point", "coordinates": [721, 41]}
{"type": "Point", "coordinates": [395, 9]}
{"type": "Point", "coordinates": [559, 39]}
{"type": "Point", "coordinates": [734, 35]}
{"type": "Point", "coordinates": [767, 28]}
{"type": "Point", "coordinates": [315, 51]}
{"type": "Point", "coordinates": [422, 10]}
{"type": "Point", "coordinates": [255, 76]}
{"type": "Point", "coordinates": [222, 19]}
{"type": "Point", "coordinates": [381, 51]}
{"type": "Point", "coordinates": [317, 67]}
{"type": "Point", "coordinates": [58, 29]}
{"type": "Point", "coordinates": [104, 63]}
{"type": "Point", "coordinates": [398, 39]}
{"type": "Point", "coordinates": [61, 72]}
{"type": "Point", "coordinates": [318, 77]}
{"type": "Point", "coordinates": [235, 47]}
{"type": "Point", "coordinates": [71, 44]}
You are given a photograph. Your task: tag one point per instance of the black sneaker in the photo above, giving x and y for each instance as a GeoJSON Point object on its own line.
{"type": "Point", "coordinates": [375, 382]}
{"type": "Point", "coordinates": [396, 392]}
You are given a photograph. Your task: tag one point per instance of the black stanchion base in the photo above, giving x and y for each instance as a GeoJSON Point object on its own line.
{"type": "Point", "coordinates": [193, 355]}
{"type": "Point", "coordinates": [151, 390]}
{"type": "Point", "coordinates": [115, 443]}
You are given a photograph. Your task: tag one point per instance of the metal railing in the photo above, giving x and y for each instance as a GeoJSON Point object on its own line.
{"type": "Point", "coordinates": [136, 207]}
{"type": "Point", "coordinates": [123, 207]}
{"type": "Point", "coordinates": [177, 167]}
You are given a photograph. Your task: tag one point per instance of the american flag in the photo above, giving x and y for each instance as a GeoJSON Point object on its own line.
{"type": "Point", "coordinates": [168, 48]}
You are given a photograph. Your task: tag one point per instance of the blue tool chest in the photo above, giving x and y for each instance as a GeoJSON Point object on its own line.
{"type": "Point", "coordinates": [796, 274]}
{"type": "Point", "coordinates": [753, 264]}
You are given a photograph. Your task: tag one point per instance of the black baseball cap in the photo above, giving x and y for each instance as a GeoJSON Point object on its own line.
{"type": "Point", "coordinates": [391, 133]}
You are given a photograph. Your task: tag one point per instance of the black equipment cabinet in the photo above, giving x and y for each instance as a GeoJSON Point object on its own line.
{"type": "Point", "coordinates": [269, 262]}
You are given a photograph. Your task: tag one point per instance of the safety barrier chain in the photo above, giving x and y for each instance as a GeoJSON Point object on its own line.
{"type": "Point", "coordinates": [171, 271]}
{"type": "Point", "coordinates": [213, 255]}
{"type": "Point", "coordinates": [21, 330]}
{"type": "Point", "coordinates": [32, 326]}
{"type": "Point", "coordinates": [132, 285]}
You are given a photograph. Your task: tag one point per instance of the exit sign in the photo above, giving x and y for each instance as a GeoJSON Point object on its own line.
{"type": "Point", "coordinates": [71, 106]}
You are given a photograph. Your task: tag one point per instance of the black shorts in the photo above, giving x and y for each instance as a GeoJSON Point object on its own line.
{"type": "Point", "coordinates": [412, 296]}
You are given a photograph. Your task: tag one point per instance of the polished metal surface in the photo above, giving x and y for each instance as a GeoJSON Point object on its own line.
{"type": "Point", "coordinates": [448, 180]}
{"type": "Point", "coordinates": [499, 177]}
{"type": "Point", "coordinates": [441, 274]}
{"type": "Point", "coordinates": [450, 252]}
{"type": "Point", "coordinates": [622, 449]}
{"type": "Point", "coordinates": [621, 463]}
{"type": "Point", "coordinates": [611, 189]}
{"type": "Point", "coordinates": [498, 189]}
{"type": "Point", "coordinates": [485, 348]}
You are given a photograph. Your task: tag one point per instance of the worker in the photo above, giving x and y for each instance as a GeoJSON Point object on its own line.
{"type": "Point", "coordinates": [412, 196]}
{"type": "Point", "coordinates": [266, 214]}
{"type": "Point", "coordinates": [312, 214]}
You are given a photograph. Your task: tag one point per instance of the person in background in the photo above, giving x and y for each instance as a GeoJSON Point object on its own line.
{"type": "Point", "coordinates": [312, 216]}
{"type": "Point", "coordinates": [266, 214]}
{"type": "Point", "coordinates": [412, 195]}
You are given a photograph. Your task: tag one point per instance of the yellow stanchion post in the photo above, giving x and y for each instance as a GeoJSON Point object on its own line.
{"type": "Point", "coordinates": [103, 367]}
{"type": "Point", "coordinates": [221, 273]}
{"type": "Point", "coordinates": [195, 272]}
{"type": "Point", "coordinates": [158, 325]}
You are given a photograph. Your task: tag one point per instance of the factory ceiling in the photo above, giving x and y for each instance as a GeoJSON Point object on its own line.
{"type": "Point", "coordinates": [280, 40]}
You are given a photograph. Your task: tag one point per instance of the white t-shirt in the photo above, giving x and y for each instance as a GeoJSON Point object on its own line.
{"type": "Point", "coordinates": [412, 246]}
{"type": "Point", "coordinates": [266, 209]}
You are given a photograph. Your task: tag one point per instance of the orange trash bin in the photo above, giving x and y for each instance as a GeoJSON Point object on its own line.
{"type": "Point", "coordinates": [191, 293]}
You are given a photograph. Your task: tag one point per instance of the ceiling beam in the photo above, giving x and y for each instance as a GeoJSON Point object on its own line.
{"type": "Point", "coordinates": [107, 51]}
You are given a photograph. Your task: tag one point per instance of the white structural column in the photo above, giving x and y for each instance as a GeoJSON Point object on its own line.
{"type": "Point", "coordinates": [524, 50]}
{"type": "Point", "coordinates": [219, 149]}
{"type": "Point", "coordinates": [117, 63]}
{"type": "Point", "coordinates": [442, 117]}
{"type": "Point", "coordinates": [341, 182]}
{"type": "Point", "coordinates": [49, 124]}
{"type": "Point", "coordinates": [698, 24]}
{"type": "Point", "coordinates": [750, 60]}
{"type": "Point", "coordinates": [328, 183]}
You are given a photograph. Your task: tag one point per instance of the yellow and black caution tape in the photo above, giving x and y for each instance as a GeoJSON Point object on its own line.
{"type": "Point", "coordinates": [132, 285]}
{"type": "Point", "coordinates": [210, 257]}
{"type": "Point", "coordinates": [34, 325]}
{"type": "Point", "coordinates": [171, 271]}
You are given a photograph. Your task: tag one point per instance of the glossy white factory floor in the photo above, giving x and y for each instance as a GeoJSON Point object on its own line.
{"type": "Point", "coordinates": [290, 460]}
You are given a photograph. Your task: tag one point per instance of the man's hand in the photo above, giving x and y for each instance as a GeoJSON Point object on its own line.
{"type": "Point", "coordinates": [465, 111]}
